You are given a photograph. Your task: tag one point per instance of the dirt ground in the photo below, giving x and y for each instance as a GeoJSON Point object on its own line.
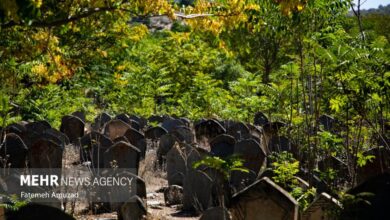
{"type": "Point", "coordinates": [155, 180]}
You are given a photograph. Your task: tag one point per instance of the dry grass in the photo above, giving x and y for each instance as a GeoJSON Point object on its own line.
{"type": "Point", "coordinates": [154, 177]}
{"type": "Point", "coordinates": [71, 156]}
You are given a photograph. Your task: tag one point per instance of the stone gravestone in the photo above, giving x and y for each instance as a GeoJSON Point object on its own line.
{"type": "Point", "coordinates": [227, 124]}
{"type": "Point", "coordinates": [138, 187]}
{"type": "Point", "coordinates": [33, 130]}
{"type": "Point", "coordinates": [279, 144]}
{"type": "Point", "coordinates": [17, 128]}
{"type": "Point", "coordinates": [64, 140]}
{"type": "Point", "coordinates": [324, 207]}
{"type": "Point", "coordinates": [167, 141]}
{"type": "Point", "coordinates": [122, 155]}
{"type": "Point", "coordinates": [209, 128]}
{"type": "Point", "coordinates": [183, 134]}
{"type": "Point", "coordinates": [328, 122]}
{"type": "Point", "coordinates": [137, 139]}
{"type": "Point", "coordinates": [373, 199]}
{"type": "Point", "coordinates": [191, 155]}
{"type": "Point", "coordinates": [121, 138]}
{"type": "Point", "coordinates": [142, 122]}
{"type": "Point", "coordinates": [52, 137]}
{"type": "Point", "coordinates": [260, 119]}
{"type": "Point", "coordinates": [271, 130]}
{"type": "Point", "coordinates": [239, 131]}
{"type": "Point", "coordinates": [197, 191]}
{"type": "Point", "coordinates": [155, 119]}
{"type": "Point", "coordinates": [171, 124]}
{"type": "Point", "coordinates": [115, 128]}
{"type": "Point", "coordinates": [134, 124]}
{"type": "Point", "coordinates": [121, 193]}
{"type": "Point", "coordinates": [93, 146]}
{"type": "Point", "coordinates": [38, 126]}
{"type": "Point", "coordinates": [134, 209]}
{"type": "Point", "coordinates": [13, 152]}
{"type": "Point", "coordinates": [155, 133]}
{"type": "Point", "coordinates": [80, 115]}
{"type": "Point", "coordinates": [220, 186]}
{"type": "Point", "coordinates": [216, 213]}
{"type": "Point", "coordinates": [176, 166]}
{"type": "Point", "coordinates": [100, 121]}
{"type": "Point", "coordinates": [134, 136]}
{"type": "Point", "coordinates": [256, 132]}
{"type": "Point", "coordinates": [254, 159]}
{"type": "Point", "coordinates": [186, 121]}
{"type": "Point", "coordinates": [73, 127]}
{"type": "Point", "coordinates": [45, 154]}
{"type": "Point", "coordinates": [222, 146]}
{"type": "Point", "coordinates": [264, 200]}
{"type": "Point", "coordinates": [124, 117]}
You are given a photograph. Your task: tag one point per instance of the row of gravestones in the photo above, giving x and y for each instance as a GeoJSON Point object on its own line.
{"type": "Point", "coordinates": [128, 136]}
{"type": "Point", "coordinates": [203, 187]}
{"type": "Point", "coordinates": [34, 145]}
{"type": "Point", "coordinates": [45, 146]}
{"type": "Point", "coordinates": [228, 138]}
{"type": "Point", "coordinates": [120, 139]}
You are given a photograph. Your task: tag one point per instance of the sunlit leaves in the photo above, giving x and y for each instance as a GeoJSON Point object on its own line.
{"type": "Point", "coordinates": [225, 167]}
{"type": "Point", "coordinates": [337, 103]}
{"type": "Point", "coordinates": [289, 6]}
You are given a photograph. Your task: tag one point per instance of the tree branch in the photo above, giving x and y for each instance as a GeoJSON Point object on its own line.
{"type": "Point", "coordinates": [191, 16]}
{"type": "Point", "coordinates": [87, 12]}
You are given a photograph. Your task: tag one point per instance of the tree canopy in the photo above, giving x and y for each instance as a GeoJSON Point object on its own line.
{"type": "Point", "coordinates": [294, 60]}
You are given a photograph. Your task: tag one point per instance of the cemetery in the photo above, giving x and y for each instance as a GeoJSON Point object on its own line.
{"type": "Point", "coordinates": [195, 109]}
{"type": "Point", "coordinates": [172, 147]}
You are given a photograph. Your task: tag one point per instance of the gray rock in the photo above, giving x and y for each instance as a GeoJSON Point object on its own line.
{"type": "Point", "coordinates": [173, 195]}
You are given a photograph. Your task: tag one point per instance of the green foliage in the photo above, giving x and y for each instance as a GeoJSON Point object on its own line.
{"type": "Point", "coordinates": [285, 167]}
{"type": "Point", "coordinates": [304, 197]}
{"type": "Point", "coordinates": [362, 159]}
{"type": "Point", "coordinates": [52, 102]}
{"type": "Point", "coordinates": [225, 167]}
{"type": "Point", "coordinates": [330, 143]}
{"type": "Point", "coordinates": [351, 202]}
{"type": "Point", "coordinates": [13, 202]}
{"type": "Point", "coordinates": [6, 116]}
